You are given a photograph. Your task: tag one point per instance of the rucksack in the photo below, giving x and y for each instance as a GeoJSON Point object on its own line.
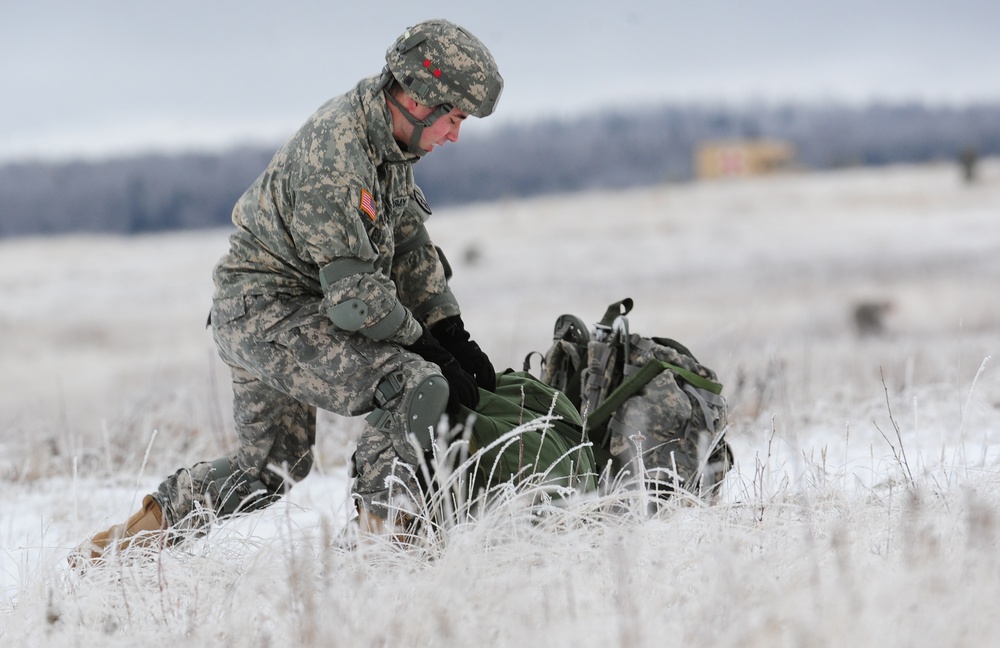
{"type": "Point", "coordinates": [525, 443]}
{"type": "Point", "coordinates": [650, 409]}
{"type": "Point", "coordinates": [549, 449]}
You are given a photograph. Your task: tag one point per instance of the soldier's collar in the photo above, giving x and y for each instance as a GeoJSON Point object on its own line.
{"type": "Point", "coordinates": [379, 118]}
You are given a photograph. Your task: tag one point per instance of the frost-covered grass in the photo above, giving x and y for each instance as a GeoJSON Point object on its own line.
{"type": "Point", "coordinates": [863, 509]}
{"type": "Point", "coordinates": [821, 566]}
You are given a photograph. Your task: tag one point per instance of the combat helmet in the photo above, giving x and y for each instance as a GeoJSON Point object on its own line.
{"type": "Point", "coordinates": [443, 66]}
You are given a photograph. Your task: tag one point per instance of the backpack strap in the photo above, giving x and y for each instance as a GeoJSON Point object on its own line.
{"type": "Point", "coordinates": [526, 366]}
{"type": "Point", "coordinates": [704, 397]}
{"type": "Point", "coordinates": [646, 344]}
{"type": "Point", "coordinates": [637, 381]}
{"type": "Point", "coordinates": [572, 329]}
{"type": "Point", "coordinates": [614, 311]}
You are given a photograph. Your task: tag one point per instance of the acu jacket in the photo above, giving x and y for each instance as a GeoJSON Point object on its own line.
{"type": "Point", "coordinates": [336, 214]}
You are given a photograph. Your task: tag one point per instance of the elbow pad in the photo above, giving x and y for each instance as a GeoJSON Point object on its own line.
{"type": "Point", "coordinates": [352, 314]}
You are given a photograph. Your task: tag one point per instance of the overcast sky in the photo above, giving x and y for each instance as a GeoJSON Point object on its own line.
{"type": "Point", "coordinates": [99, 77]}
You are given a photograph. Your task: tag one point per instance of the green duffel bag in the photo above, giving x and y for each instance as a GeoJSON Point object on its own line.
{"type": "Point", "coordinates": [529, 433]}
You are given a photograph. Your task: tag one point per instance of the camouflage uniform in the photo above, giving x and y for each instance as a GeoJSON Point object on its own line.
{"type": "Point", "coordinates": [335, 218]}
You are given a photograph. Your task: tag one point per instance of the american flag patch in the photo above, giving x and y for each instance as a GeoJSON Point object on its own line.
{"type": "Point", "coordinates": [368, 203]}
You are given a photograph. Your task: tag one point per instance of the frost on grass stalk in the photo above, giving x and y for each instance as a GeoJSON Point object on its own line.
{"type": "Point", "coordinates": [457, 495]}
{"type": "Point", "coordinates": [900, 454]}
{"type": "Point", "coordinates": [972, 390]}
{"type": "Point", "coordinates": [459, 480]}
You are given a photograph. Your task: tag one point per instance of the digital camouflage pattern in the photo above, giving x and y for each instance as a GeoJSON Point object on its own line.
{"type": "Point", "coordinates": [651, 409]}
{"type": "Point", "coordinates": [668, 428]}
{"type": "Point", "coordinates": [307, 212]}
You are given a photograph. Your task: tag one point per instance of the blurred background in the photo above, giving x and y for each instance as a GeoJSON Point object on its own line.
{"type": "Point", "coordinates": [130, 117]}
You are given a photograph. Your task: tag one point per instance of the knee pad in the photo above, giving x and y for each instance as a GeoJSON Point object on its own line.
{"type": "Point", "coordinates": [235, 490]}
{"type": "Point", "coordinates": [426, 405]}
{"type": "Point", "coordinates": [417, 415]}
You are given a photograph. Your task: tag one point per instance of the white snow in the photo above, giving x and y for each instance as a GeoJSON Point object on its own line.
{"type": "Point", "coordinates": [110, 382]}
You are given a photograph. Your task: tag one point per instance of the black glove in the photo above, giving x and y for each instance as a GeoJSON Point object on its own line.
{"type": "Point", "coordinates": [461, 386]}
{"type": "Point", "coordinates": [451, 333]}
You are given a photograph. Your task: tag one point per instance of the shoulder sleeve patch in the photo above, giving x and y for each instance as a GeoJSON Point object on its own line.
{"type": "Point", "coordinates": [418, 195]}
{"type": "Point", "coordinates": [368, 204]}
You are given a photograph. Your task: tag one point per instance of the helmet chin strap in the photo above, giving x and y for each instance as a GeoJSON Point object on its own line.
{"type": "Point", "coordinates": [413, 146]}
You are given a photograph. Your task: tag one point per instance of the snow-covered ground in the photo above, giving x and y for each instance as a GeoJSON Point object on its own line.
{"type": "Point", "coordinates": [864, 508]}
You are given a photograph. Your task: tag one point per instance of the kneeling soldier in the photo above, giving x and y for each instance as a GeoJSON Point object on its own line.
{"type": "Point", "coordinates": [333, 296]}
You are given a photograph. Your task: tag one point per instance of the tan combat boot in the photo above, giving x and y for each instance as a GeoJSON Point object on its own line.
{"type": "Point", "coordinates": [146, 528]}
{"type": "Point", "coordinates": [371, 524]}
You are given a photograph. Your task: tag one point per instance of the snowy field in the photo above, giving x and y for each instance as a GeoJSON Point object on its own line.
{"type": "Point", "coordinates": [864, 508]}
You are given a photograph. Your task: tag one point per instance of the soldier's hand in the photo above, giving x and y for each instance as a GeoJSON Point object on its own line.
{"type": "Point", "coordinates": [451, 333]}
{"type": "Point", "coordinates": [462, 387]}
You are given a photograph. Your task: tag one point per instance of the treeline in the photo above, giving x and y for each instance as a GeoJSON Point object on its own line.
{"type": "Point", "coordinates": [604, 150]}
{"type": "Point", "coordinates": [645, 147]}
{"type": "Point", "coordinates": [128, 195]}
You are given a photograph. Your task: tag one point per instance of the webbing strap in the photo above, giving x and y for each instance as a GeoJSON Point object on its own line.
{"type": "Point", "coordinates": [637, 381]}
{"type": "Point", "coordinates": [341, 268]}
{"type": "Point", "coordinates": [389, 387]}
{"type": "Point", "coordinates": [418, 239]}
{"type": "Point", "coordinates": [596, 377]}
{"type": "Point", "coordinates": [234, 488]}
{"type": "Point", "coordinates": [387, 326]}
{"type": "Point", "coordinates": [526, 366]}
{"type": "Point", "coordinates": [699, 396]}
{"type": "Point", "coordinates": [694, 379]}
{"type": "Point", "coordinates": [434, 301]}
{"type": "Point", "coordinates": [615, 310]}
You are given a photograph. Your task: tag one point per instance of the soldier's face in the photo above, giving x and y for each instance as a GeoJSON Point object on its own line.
{"type": "Point", "coordinates": [445, 129]}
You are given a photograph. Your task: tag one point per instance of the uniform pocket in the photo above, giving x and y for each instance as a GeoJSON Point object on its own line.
{"type": "Point", "coordinates": [228, 309]}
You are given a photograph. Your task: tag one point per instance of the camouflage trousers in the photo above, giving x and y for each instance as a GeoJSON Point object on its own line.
{"type": "Point", "coordinates": [287, 359]}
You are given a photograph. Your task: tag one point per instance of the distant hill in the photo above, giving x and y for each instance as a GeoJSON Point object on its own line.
{"type": "Point", "coordinates": [604, 150]}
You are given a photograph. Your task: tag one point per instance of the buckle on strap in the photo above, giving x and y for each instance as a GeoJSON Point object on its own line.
{"type": "Point", "coordinates": [389, 388]}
